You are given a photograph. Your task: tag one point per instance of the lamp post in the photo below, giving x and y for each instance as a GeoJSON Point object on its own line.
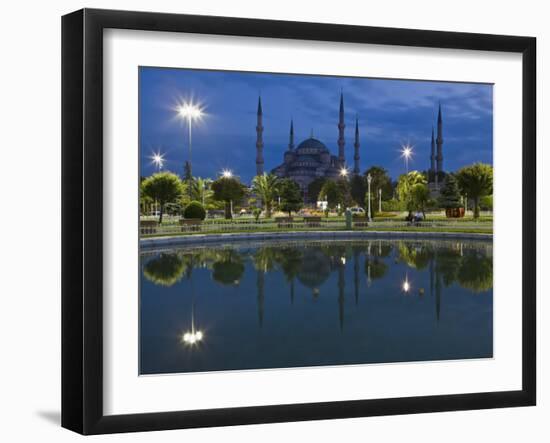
{"type": "Point", "coordinates": [406, 153]}
{"type": "Point", "coordinates": [379, 199]}
{"type": "Point", "coordinates": [158, 160]}
{"type": "Point", "coordinates": [369, 179]}
{"type": "Point", "coordinates": [190, 112]}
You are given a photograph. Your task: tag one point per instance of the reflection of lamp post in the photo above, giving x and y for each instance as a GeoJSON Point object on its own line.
{"type": "Point", "coordinates": [194, 336]}
{"type": "Point", "coordinates": [406, 287]}
{"type": "Point", "coordinates": [369, 180]}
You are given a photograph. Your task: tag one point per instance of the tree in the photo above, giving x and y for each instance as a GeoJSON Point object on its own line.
{"type": "Point", "coordinates": [331, 193]}
{"type": "Point", "coordinates": [345, 194]}
{"type": "Point", "coordinates": [266, 186]}
{"type": "Point", "coordinates": [227, 190]}
{"type": "Point", "coordinates": [291, 196]}
{"type": "Point", "coordinates": [358, 189]}
{"type": "Point", "coordinates": [314, 188]}
{"type": "Point", "coordinates": [380, 180]}
{"type": "Point", "coordinates": [421, 197]}
{"type": "Point", "coordinates": [164, 187]}
{"type": "Point", "coordinates": [406, 189]}
{"type": "Point", "coordinates": [449, 197]}
{"type": "Point", "coordinates": [476, 181]}
{"type": "Point", "coordinates": [188, 178]}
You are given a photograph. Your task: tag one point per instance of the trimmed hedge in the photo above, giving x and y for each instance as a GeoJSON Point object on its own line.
{"type": "Point", "coordinates": [194, 210]}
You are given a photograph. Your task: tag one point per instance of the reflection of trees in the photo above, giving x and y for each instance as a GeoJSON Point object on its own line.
{"type": "Point", "coordinates": [314, 269]}
{"type": "Point", "coordinates": [448, 262]}
{"type": "Point", "coordinates": [415, 255]}
{"type": "Point", "coordinates": [381, 249]}
{"type": "Point", "coordinates": [165, 270]}
{"type": "Point", "coordinates": [228, 268]}
{"type": "Point", "coordinates": [375, 268]}
{"type": "Point", "coordinates": [476, 272]}
{"type": "Point", "coordinates": [290, 261]}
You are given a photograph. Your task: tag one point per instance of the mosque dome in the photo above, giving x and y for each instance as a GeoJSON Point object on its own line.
{"type": "Point", "coordinates": [311, 146]}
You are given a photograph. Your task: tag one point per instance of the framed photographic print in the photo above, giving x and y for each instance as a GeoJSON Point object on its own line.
{"type": "Point", "coordinates": [270, 221]}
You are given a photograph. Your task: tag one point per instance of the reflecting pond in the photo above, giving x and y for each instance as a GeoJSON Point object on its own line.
{"type": "Point", "coordinates": [309, 303]}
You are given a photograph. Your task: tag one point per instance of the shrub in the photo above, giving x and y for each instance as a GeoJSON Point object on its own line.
{"type": "Point", "coordinates": [393, 205]}
{"type": "Point", "coordinates": [194, 210]}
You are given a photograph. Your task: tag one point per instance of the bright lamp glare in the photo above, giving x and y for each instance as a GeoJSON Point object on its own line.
{"type": "Point", "coordinates": [226, 173]}
{"type": "Point", "coordinates": [343, 172]}
{"type": "Point", "coordinates": [157, 159]}
{"type": "Point", "coordinates": [192, 338]}
{"type": "Point", "coordinates": [407, 151]}
{"type": "Point", "coordinates": [190, 111]}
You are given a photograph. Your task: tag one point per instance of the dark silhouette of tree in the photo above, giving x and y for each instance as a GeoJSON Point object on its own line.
{"type": "Point", "coordinates": [314, 188]}
{"type": "Point", "coordinates": [228, 189]}
{"type": "Point", "coordinates": [450, 193]}
{"type": "Point", "coordinates": [476, 181]}
{"type": "Point", "coordinates": [291, 196]}
{"type": "Point", "coordinates": [164, 187]}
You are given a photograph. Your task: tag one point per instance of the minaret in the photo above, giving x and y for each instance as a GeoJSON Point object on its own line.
{"type": "Point", "coordinates": [356, 156]}
{"type": "Point", "coordinates": [439, 142]}
{"type": "Point", "coordinates": [259, 141]}
{"type": "Point", "coordinates": [341, 126]}
{"type": "Point", "coordinates": [291, 139]}
{"type": "Point", "coordinates": [432, 156]}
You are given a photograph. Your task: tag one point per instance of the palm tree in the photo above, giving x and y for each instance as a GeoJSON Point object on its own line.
{"type": "Point", "coordinates": [201, 190]}
{"type": "Point", "coordinates": [266, 187]}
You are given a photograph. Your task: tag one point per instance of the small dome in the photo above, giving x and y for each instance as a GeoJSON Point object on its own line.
{"type": "Point", "coordinates": [310, 145]}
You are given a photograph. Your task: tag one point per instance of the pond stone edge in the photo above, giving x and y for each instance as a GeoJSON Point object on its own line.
{"type": "Point", "coordinates": [146, 243]}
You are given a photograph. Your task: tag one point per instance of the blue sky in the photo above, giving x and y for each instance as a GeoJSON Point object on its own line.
{"type": "Point", "coordinates": [390, 112]}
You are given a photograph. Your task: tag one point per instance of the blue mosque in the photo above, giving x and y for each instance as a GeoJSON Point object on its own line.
{"type": "Point", "coordinates": [311, 159]}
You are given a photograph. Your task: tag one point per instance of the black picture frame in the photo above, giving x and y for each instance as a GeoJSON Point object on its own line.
{"type": "Point", "coordinates": [82, 218]}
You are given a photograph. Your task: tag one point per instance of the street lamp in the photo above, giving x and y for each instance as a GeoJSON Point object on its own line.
{"type": "Point", "coordinates": [190, 112]}
{"type": "Point", "coordinates": [226, 173]}
{"type": "Point", "coordinates": [344, 172]}
{"type": "Point", "coordinates": [369, 180]}
{"type": "Point", "coordinates": [158, 160]}
{"type": "Point", "coordinates": [406, 153]}
{"type": "Point", "coordinates": [380, 200]}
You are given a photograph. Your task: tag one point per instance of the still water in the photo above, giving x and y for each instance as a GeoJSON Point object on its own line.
{"type": "Point", "coordinates": [309, 303]}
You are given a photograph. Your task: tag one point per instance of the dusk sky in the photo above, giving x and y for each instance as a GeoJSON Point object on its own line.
{"type": "Point", "coordinates": [390, 112]}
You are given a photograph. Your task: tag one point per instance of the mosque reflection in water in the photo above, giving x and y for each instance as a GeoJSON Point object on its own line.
{"type": "Point", "coordinates": [294, 304]}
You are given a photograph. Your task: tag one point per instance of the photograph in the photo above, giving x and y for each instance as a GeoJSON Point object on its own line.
{"type": "Point", "coordinates": [291, 220]}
